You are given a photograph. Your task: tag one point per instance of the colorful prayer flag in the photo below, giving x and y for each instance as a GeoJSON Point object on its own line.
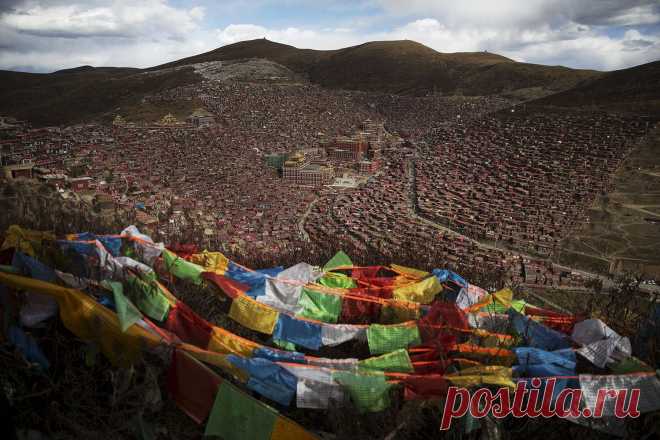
{"type": "Point", "coordinates": [369, 393]}
{"type": "Point", "coordinates": [254, 315]}
{"type": "Point", "coordinates": [319, 306]}
{"type": "Point", "coordinates": [340, 259]}
{"type": "Point", "coordinates": [237, 416]}
{"type": "Point", "coordinates": [397, 361]}
{"type": "Point", "coordinates": [387, 338]}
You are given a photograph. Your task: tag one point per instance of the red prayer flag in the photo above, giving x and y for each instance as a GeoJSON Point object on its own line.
{"type": "Point", "coordinates": [188, 326]}
{"type": "Point", "coordinates": [424, 387]}
{"type": "Point", "coordinates": [231, 288]}
{"type": "Point", "coordinates": [363, 273]}
{"type": "Point", "coordinates": [183, 250]}
{"type": "Point", "coordinates": [354, 311]}
{"type": "Point", "coordinates": [192, 385]}
{"type": "Point", "coordinates": [442, 319]}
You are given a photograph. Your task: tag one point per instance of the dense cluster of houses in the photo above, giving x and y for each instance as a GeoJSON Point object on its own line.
{"type": "Point", "coordinates": [252, 171]}
{"type": "Point", "coordinates": [523, 180]}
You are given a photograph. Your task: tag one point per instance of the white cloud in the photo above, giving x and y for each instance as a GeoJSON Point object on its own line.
{"type": "Point", "coordinates": [144, 33]}
{"type": "Point", "coordinates": [528, 13]}
{"type": "Point", "coordinates": [122, 18]}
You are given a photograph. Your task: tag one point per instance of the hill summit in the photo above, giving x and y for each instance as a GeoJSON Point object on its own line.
{"type": "Point", "coordinates": [400, 67]}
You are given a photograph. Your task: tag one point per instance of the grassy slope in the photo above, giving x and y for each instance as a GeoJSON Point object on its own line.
{"type": "Point", "coordinates": [403, 67]}
{"type": "Point", "coordinates": [61, 98]}
{"type": "Point", "coordinates": [299, 60]}
{"type": "Point", "coordinates": [409, 67]}
{"type": "Point", "coordinates": [636, 89]}
{"type": "Point", "coordinates": [618, 227]}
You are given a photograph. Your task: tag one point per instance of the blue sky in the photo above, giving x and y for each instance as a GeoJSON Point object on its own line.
{"type": "Point", "coordinates": [46, 35]}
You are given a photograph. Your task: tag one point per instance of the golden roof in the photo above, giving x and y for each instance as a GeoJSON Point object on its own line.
{"type": "Point", "coordinates": [169, 119]}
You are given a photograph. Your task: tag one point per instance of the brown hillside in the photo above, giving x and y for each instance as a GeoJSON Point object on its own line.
{"type": "Point", "coordinates": [299, 60]}
{"type": "Point", "coordinates": [404, 67]}
{"type": "Point", "coordinates": [636, 89]}
{"type": "Point", "coordinates": [71, 97]}
{"type": "Point", "coordinates": [398, 67]}
{"type": "Point", "coordinates": [401, 67]}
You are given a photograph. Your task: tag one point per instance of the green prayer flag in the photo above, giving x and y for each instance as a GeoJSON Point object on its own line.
{"type": "Point", "coordinates": [340, 259]}
{"type": "Point", "coordinates": [337, 280]}
{"type": "Point", "coordinates": [397, 361]}
{"type": "Point", "coordinates": [319, 306]}
{"type": "Point", "coordinates": [368, 392]}
{"type": "Point", "coordinates": [497, 307]}
{"type": "Point", "coordinates": [387, 338]}
{"type": "Point", "coordinates": [148, 298]}
{"type": "Point", "coordinates": [285, 345]}
{"type": "Point", "coordinates": [182, 269]}
{"type": "Point", "coordinates": [127, 313]}
{"type": "Point", "coordinates": [518, 305]}
{"type": "Point", "coordinates": [237, 416]}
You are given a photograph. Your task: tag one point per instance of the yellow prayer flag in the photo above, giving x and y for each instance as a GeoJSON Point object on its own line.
{"type": "Point", "coordinates": [423, 292]}
{"type": "Point", "coordinates": [254, 315]}
{"type": "Point", "coordinates": [211, 261]}
{"type": "Point", "coordinates": [225, 342]}
{"type": "Point", "coordinates": [90, 321]}
{"type": "Point", "coordinates": [24, 240]}
{"type": "Point", "coordinates": [504, 297]}
{"type": "Point", "coordinates": [487, 374]}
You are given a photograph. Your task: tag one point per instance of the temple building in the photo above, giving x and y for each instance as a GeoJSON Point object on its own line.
{"type": "Point", "coordinates": [168, 119]}
{"type": "Point", "coordinates": [200, 118]}
{"type": "Point", "coordinates": [18, 171]}
{"type": "Point", "coordinates": [300, 170]}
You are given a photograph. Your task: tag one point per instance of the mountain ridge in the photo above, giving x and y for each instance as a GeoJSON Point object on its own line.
{"type": "Point", "coordinates": [398, 67]}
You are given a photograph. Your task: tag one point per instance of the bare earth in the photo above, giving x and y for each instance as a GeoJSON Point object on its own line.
{"type": "Point", "coordinates": [623, 227]}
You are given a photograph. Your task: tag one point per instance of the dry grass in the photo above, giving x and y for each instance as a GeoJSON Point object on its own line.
{"type": "Point", "coordinates": [618, 226]}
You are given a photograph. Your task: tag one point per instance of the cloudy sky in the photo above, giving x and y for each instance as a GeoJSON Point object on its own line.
{"type": "Point", "coordinates": [46, 35]}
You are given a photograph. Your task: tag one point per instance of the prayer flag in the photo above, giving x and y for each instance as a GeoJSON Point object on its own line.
{"type": "Point", "coordinates": [339, 260]}
{"type": "Point", "coordinates": [320, 306]}
{"type": "Point", "coordinates": [192, 385]}
{"type": "Point", "coordinates": [182, 269]}
{"type": "Point", "coordinates": [304, 333]}
{"type": "Point", "coordinates": [396, 361]}
{"type": "Point", "coordinates": [148, 297]}
{"type": "Point", "coordinates": [423, 292]}
{"type": "Point", "coordinates": [337, 281]}
{"type": "Point", "coordinates": [368, 392]}
{"type": "Point", "coordinates": [237, 416]}
{"type": "Point", "coordinates": [251, 314]}
{"type": "Point", "coordinates": [126, 311]}
{"type": "Point", "coordinates": [387, 338]}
